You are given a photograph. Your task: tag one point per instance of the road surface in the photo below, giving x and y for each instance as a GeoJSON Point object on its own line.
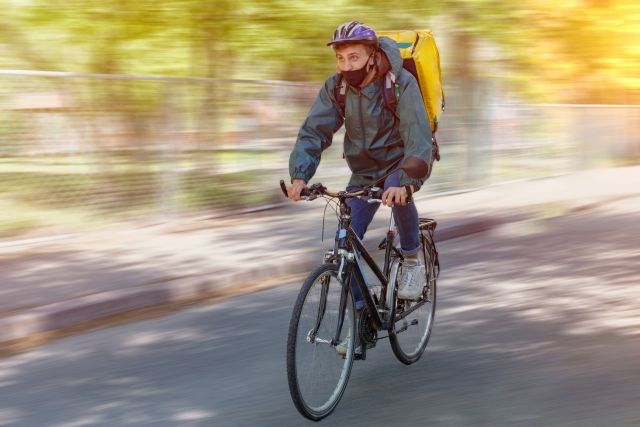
{"type": "Point", "coordinates": [538, 324]}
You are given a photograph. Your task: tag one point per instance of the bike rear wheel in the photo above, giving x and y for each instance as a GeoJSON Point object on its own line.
{"type": "Point", "coordinates": [410, 334]}
{"type": "Point", "coordinates": [317, 374]}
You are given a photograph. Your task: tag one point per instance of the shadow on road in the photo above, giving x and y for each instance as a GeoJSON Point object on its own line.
{"type": "Point", "coordinates": [537, 324]}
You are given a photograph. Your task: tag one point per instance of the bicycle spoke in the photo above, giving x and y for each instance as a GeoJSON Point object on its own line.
{"type": "Point", "coordinates": [414, 320]}
{"type": "Point", "coordinates": [317, 373]}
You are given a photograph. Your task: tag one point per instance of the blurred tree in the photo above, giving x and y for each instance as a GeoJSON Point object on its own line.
{"type": "Point", "coordinates": [567, 51]}
{"type": "Point", "coordinates": [570, 51]}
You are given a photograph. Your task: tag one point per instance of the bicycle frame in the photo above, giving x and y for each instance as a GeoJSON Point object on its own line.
{"type": "Point", "coordinates": [347, 252]}
{"type": "Point", "coordinates": [350, 249]}
{"type": "Point", "coordinates": [355, 271]}
{"type": "Point", "coordinates": [348, 333]}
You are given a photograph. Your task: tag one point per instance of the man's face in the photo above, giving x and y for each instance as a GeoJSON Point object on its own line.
{"type": "Point", "coordinates": [352, 56]}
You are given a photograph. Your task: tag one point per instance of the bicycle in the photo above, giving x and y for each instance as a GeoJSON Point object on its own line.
{"type": "Point", "coordinates": [324, 314]}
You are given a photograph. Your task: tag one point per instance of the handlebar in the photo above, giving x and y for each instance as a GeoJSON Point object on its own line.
{"type": "Point", "coordinates": [372, 194]}
{"type": "Point", "coordinates": [318, 189]}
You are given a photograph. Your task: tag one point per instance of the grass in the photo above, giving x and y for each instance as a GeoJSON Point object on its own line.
{"type": "Point", "coordinates": [76, 191]}
{"type": "Point", "coordinates": [627, 161]}
{"type": "Point", "coordinates": [72, 191]}
{"type": "Point", "coordinates": [13, 227]}
{"type": "Point", "coordinates": [239, 189]}
{"type": "Point", "coordinates": [18, 218]}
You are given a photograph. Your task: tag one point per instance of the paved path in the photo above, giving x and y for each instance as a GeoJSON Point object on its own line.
{"type": "Point", "coordinates": [67, 282]}
{"type": "Point", "coordinates": [537, 325]}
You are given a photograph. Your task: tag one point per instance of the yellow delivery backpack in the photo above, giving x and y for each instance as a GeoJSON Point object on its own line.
{"type": "Point", "coordinates": [421, 58]}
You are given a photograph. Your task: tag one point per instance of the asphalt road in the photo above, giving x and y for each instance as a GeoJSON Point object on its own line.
{"type": "Point", "coordinates": [538, 324]}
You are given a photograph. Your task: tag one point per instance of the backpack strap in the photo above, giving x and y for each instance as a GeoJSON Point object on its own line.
{"type": "Point", "coordinates": [340, 94]}
{"type": "Point", "coordinates": [391, 94]}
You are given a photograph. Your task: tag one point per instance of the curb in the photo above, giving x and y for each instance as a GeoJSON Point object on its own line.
{"type": "Point", "coordinates": [104, 305]}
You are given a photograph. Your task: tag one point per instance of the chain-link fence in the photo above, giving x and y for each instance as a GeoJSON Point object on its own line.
{"type": "Point", "coordinates": [79, 150]}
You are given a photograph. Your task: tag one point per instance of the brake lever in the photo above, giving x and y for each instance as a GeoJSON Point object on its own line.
{"type": "Point", "coordinates": [375, 195]}
{"type": "Point", "coordinates": [306, 193]}
{"type": "Point", "coordinates": [283, 187]}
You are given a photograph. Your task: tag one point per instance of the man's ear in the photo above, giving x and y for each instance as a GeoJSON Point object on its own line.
{"type": "Point", "coordinates": [374, 59]}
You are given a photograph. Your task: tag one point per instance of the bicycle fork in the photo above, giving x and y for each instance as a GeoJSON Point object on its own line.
{"type": "Point", "coordinates": [312, 336]}
{"type": "Point", "coordinates": [341, 312]}
{"type": "Point", "coordinates": [344, 293]}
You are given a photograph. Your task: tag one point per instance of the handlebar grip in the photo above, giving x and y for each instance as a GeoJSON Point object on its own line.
{"type": "Point", "coordinates": [304, 193]}
{"type": "Point", "coordinates": [283, 188]}
{"type": "Point", "coordinates": [409, 193]}
{"type": "Point", "coordinates": [377, 194]}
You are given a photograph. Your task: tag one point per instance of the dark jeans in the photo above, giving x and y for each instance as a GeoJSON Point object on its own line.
{"type": "Point", "coordinates": [406, 218]}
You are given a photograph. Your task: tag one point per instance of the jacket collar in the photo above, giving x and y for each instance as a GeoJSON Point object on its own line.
{"type": "Point", "coordinates": [370, 90]}
{"type": "Point", "coordinates": [392, 61]}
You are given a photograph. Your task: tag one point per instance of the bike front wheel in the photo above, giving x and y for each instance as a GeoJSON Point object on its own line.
{"type": "Point", "coordinates": [323, 317]}
{"type": "Point", "coordinates": [413, 322]}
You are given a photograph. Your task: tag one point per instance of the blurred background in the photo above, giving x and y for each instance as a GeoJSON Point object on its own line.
{"type": "Point", "coordinates": [125, 111]}
{"type": "Point", "coordinates": [132, 133]}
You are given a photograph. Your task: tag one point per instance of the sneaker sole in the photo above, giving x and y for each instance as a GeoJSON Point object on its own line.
{"type": "Point", "coordinates": [410, 297]}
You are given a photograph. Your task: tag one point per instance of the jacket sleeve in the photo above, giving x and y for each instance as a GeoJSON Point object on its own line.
{"type": "Point", "coordinates": [414, 128]}
{"type": "Point", "coordinates": [316, 133]}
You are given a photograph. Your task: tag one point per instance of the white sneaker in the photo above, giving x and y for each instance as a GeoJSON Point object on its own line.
{"type": "Point", "coordinates": [342, 346]}
{"type": "Point", "coordinates": [412, 281]}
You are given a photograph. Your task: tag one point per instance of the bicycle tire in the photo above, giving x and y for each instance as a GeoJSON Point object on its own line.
{"type": "Point", "coordinates": [318, 362]}
{"type": "Point", "coordinates": [407, 336]}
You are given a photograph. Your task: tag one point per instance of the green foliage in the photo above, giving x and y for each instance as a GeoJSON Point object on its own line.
{"type": "Point", "coordinates": [572, 50]}
{"type": "Point", "coordinates": [16, 226]}
{"type": "Point", "coordinates": [36, 192]}
{"type": "Point", "coordinates": [232, 190]}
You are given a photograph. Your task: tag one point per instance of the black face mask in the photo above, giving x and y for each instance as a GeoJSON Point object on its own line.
{"type": "Point", "coordinates": [356, 77]}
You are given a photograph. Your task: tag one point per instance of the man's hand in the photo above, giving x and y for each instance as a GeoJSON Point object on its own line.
{"type": "Point", "coordinates": [395, 195]}
{"type": "Point", "coordinates": [293, 190]}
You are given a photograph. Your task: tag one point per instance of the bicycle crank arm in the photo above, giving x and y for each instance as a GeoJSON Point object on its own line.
{"type": "Point", "coordinates": [313, 339]}
{"type": "Point", "coordinates": [406, 325]}
{"type": "Point", "coordinates": [411, 309]}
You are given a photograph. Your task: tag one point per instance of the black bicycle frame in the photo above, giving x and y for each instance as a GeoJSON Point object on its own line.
{"type": "Point", "coordinates": [355, 271]}
{"type": "Point", "coordinates": [351, 243]}
{"type": "Point", "coordinates": [359, 276]}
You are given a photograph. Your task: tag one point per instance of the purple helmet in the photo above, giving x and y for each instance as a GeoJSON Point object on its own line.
{"type": "Point", "coordinates": [353, 31]}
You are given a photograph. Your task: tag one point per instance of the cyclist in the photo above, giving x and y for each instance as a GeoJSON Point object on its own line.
{"type": "Point", "coordinates": [376, 139]}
